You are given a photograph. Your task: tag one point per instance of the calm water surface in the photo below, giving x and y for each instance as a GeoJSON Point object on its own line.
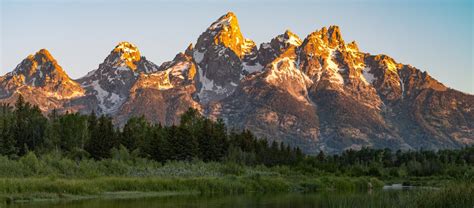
{"type": "Point", "coordinates": [332, 199]}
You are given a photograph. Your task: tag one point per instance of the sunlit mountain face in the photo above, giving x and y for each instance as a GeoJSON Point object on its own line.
{"type": "Point", "coordinates": [318, 93]}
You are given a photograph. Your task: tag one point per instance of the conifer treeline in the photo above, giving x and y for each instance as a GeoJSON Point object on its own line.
{"type": "Point", "coordinates": [23, 128]}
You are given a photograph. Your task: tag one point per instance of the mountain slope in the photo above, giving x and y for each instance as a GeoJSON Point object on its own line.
{"type": "Point", "coordinates": [274, 103]}
{"type": "Point", "coordinates": [221, 53]}
{"type": "Point", "coordinates": [319, 93]}
{"type": "Point", "coordinates": [164, 95]}
{"type": "Point", "coordinates": [108, 87]}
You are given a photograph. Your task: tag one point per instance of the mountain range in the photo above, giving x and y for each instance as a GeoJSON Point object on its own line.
{"type": "Point", "coordinates": [318, 93]}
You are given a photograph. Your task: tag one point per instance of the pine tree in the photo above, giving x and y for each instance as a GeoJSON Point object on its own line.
{"type": "Point", "coordinates": [73, 131]}
{"type": "Point", "coordinates": [102, 137]}
{"type": "Point", "coordinates": [7, 140]}
{"type": "Point", "coordinates": [52, 137]}
{"type": "Point", "coordinates": [30, 126]}
{"type": "Point", "coordinates": [187, 144]}
{"type": "Point", "coordinates": [135, 132]}
{"type": "Point", "coordinates": [158, 146]}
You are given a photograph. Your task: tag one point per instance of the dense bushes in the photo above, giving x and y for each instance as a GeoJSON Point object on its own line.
{"type": "Point", "coordinates": [455, 164]}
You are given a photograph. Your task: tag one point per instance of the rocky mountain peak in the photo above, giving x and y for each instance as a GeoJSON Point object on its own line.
{"type": "Point", "coordinates": [228, 19]}
{"type": "Point", "coordinates": [225, 32]}
{"type": "Point", "coordinates": [108, 86]}
{"type": "Point", "coordinates": [290, 38]}
{"type": "Point", "coordinates": [325, 38]}
{"type": "Point", "coordinates": [125, 54]}
{"type": "Point", "coordinates": [222, 56]}
{"type": "Point", "coordinates": [352, 46]}
{"type": "Point", "coordinates": [189, 50]}
{"type": "Point", "coordinates": [334, 36]}
{"type": "Point", "coordinates": [43, 55]}
{"type": "Point", "coordinates": [40, 69]}
{"type": "Point", "coordinates": [277, 46]}
{"type": "Point", "coordinates": [40, 79]}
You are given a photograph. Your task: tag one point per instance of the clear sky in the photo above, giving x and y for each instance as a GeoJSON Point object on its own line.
{"type": "Point", "coordinates": [432, 35]}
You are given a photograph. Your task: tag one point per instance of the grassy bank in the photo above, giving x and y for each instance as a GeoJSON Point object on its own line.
{"type": "Point", "coordinates": [13, 189]}
{"type": "Point", "coordinates": [53, 177]}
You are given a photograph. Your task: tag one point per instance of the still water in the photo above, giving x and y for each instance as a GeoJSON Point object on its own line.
{"type": "Point", "coordinates": [330, 199]}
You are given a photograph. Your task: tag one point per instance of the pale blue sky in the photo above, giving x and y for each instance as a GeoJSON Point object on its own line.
{"type": "Point", "coordinates": [432, 35]}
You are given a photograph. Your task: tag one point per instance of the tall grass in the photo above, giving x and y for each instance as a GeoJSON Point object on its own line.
{"type": "Point", "coordinates": [54, 176]}
{"type": "Point", "coordinates": [203, 185]}
{"type": "Point", "coordinates": [453, 195]}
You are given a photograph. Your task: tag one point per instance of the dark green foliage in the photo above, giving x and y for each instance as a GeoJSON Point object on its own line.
{"type": "Point", "coordinates": [29, 126]}
{"type": "Point", "coordinates": [102, 138]}
{"type": "Point", "coordinates": [24, 129]}
{"type": "Point", "coordinates": [67, 132]}
{"type": "Point", "coordinates": [135, 133]}
{"type": "Point", "coordinates": [7, 137]}
{"type": "Point", "coordinates": [183, 144]}
{"type": "Point", "coordinates": [386, 164]}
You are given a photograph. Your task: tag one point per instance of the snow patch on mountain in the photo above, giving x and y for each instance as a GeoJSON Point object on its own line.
{"type": "Point", "coordinates": [293, 41]}
{"type": "Point", "coordinates": [122, 68]}
{"type": "Point", "coordinates": [251, 68]}
{"type": "Point", "coordinates": [280, 72]}
{"type": "Point", "coordinates": [367, 77]}
{"type": "Point", "coordinates": [334, 69]}
{"type": "Point", "coordinates": [100, 93]}
{"type": "Point", "coordinates": [206, 84]}
{"type": "Point", "coordinates": [210, 91]}
{"type": "Point", "coordinates": [402, 85]}
{"type": "Point", "coordinates": [220, 23]}
{"type": "Point", "coordinates": [198, 56]}
{"type": "Point", "coordinates": [266, 45]}
{"type": "Point", "coordinates": [179, 69]}
{"type": "Point", "coordinates": [108, 102]}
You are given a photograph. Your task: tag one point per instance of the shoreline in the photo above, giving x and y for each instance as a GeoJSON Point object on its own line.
{"type": "Point", "coordinates": [30, 191]}
{"type": "Point", "coordinates": [26, 190]}
{"type": "Point", "coordinates": [57, 197]}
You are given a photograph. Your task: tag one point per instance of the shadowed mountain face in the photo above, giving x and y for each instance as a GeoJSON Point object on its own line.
{"type": "Point", "coordinates": [318, 93]}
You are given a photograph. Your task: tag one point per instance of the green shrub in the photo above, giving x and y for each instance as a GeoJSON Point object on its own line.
{"type": "Point", "coordinates": [31, 164]}
{"type": "Point", "coordinates": [231, 168]}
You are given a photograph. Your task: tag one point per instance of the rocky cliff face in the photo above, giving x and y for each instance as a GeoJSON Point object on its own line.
{"type": "Point", "coordinates": [108, 87]}
{"type": "Point", "coordinates": [319, 93]}
{"type": "Point", "coordinates": [164, 95]}
{"type": "Point", "coordinates": [41, 81]}
{"type": "Point", "coordinates": [221, 55]}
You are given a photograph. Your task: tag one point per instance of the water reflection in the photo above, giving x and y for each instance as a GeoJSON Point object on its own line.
{"type": "Point", "coordinates": [327, 199]}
